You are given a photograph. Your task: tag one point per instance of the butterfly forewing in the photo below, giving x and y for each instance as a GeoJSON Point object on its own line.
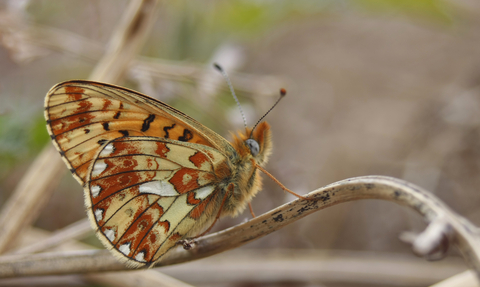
{"type": "Point", "coordinates": [82, 116]}
{"type": "Point", "coordinates": [144, 193]}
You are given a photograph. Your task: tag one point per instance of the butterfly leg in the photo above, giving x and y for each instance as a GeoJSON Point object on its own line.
{"type": "Point", "coordinates": [230, 191]}
{"type": "Point", "coordinates": [189, 241]}
{"type": "Point", "coordinates": [251, 209]}
{"type": "Point", "coordinates": [281, 185]}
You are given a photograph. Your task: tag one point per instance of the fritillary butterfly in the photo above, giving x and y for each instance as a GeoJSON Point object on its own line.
{"type": "Point", "coordinates": [151, 174]}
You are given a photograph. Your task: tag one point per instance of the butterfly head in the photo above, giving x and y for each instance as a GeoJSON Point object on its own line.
{"type": "Point", "coordinates": [256, 144]}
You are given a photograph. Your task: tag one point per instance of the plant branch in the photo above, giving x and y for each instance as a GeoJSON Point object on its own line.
{"type": "Point", "coordinates": [28, 41]}
{"type": "Point", "coordinates": [463, 234]}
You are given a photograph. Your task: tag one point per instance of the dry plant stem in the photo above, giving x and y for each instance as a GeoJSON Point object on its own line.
{"type": "Point", "coordinates": [140, 278]}
{"type": "Point", "coordinates": [361, 268]}
{"type": "Point", "coordinates": [30, 195]}
{"type": "Point", "coordinates": [466, 236]}
{"type": "Point", "coordinates": [75, 230]}
{"type": "Point", "coordinates": [465, 279]}
{"type": "Point", "coordinates": [36, 185]}
{"type": "Point", "coordinates": [230, 57]}
{"type": "Point", "coordinates": [17, 37]}
{"type": "Point", "coordinates": [251, 84]}
{"type": "Point", "coordinates": [136, 278]}
{"type": "Point", "coordinates": [294, 265]}
{"type": "Point", "coordinates": [126, 41]}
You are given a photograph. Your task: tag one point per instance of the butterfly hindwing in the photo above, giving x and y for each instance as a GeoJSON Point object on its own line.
{"type": "Point", "coordinates": [144, 194]}
{"type": "Point", "coordinates": [83, 115]}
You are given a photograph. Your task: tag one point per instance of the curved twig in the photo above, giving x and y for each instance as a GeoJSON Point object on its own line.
{"type": "Point", "coordinates": [462, 233]}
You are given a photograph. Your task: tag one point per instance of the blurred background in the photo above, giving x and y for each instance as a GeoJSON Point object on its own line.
{"type": "Point", "coordinates": [375, 87]}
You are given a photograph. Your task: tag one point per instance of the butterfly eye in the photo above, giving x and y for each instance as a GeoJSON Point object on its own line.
{"type": "Point", "coordinates": [253, 146]}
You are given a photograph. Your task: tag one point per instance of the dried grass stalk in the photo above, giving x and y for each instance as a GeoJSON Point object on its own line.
{"type": "Point", "coordinates": [463, 234]}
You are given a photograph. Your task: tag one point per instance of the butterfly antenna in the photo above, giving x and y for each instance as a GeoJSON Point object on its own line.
{"type": "Point", "coordinates": [227, 79]}
{"type": "Point", "coordinates": [283, 92]}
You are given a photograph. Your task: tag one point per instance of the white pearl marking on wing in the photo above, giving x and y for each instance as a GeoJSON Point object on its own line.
{"type": "Point", "coordinates": [110, 234]}
{"type": "Point", "coordinates": [95, 190]}
{"type": "Point", "coordinates": [162, 188]}
{"type": "Point", "coordinates": [107, 150]}
{"type": "Point", "coordinates": [140, 256]}
{"type": "Point", "coordinates": [204, 192]}
{"type": "Point", "coordinates": [98, 214]}
{"type": "Point", "coordinates": [98, 168]}
{"type": "Point", "coordinates": [125, 248]}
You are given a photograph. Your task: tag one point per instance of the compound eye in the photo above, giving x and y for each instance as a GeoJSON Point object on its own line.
{"type": "Point", "coordinates": [253, 146]}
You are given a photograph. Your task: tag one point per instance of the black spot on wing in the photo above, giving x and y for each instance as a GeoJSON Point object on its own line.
{"type": "Point", "coordinates": [105, 126]}
{"type": "Point", "coordinates": [147, 122]}
{"type": "Point", "coordinates": [102, 141]}
{"type": "Point", "coordinates": [166, 129]}
{"type": "Point", "coordinates": [86, 131]}
{"type": "Point", "coordinates": [187, 135]}
{"type": "Point", "coordinates": [124, 133]}
{"type": "Point", "coordinates": [117, 115]}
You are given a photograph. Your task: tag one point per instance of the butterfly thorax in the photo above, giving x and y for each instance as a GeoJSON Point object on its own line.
{"type": "Point", "coordinates": [250, 149]}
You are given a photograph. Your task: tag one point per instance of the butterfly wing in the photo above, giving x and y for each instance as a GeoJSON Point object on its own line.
{"type": "Point", "coordinates": [144, 194]}
{"type": "Point", "coordinates": [83, 115]}
{"type": "Point", "coordinates": [150, 173]}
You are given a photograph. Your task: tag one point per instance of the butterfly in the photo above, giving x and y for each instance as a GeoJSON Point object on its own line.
{"type": "Point", "coordinates": [151, 174]}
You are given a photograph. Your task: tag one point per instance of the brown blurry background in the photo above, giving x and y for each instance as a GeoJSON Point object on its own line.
{"type": "Point", "coordinates": [374, 87]}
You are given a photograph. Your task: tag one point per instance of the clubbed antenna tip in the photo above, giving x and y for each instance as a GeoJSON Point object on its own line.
{"type": "Point", "coordinates": [227, 79]}
{"type": "Point", "coordinates": [283, 92]}
{"type": "Point", "coordinates": [217, 66]}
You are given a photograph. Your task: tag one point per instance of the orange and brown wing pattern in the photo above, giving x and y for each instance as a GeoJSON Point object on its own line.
{"type": "Point", "coordinates": [83, 115]}
{"type": "Point", "coordinates": [144, 194]}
